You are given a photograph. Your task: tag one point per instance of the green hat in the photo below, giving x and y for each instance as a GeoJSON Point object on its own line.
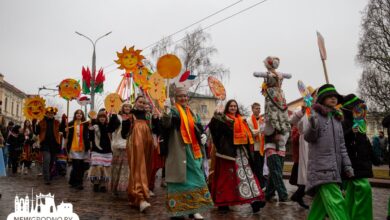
{"type": "Point", "coordinates": [327, 90]}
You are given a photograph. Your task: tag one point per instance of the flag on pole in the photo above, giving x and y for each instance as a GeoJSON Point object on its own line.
{"type": "Point", "coordinates": [321, 46]}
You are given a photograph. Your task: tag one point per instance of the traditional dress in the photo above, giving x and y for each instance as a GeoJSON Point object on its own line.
{"type": "Point", "coordinates": [187, 189]}
{"type": "Point", "coordinates": [120, 166]}
{"type": "Point", "coordinates": [101, 156]}
{"type": "Point", "coordinates": [139, 151]}
{"type": "Point", "coordinates": [234, 181]}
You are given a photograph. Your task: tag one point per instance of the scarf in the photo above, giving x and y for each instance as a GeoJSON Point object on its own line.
{"type": "Point", "coordinates": [187, 130]}
{"type": "Point", "coordinates": [259, 137]}
{"type": "Point", "coordinates": [77, 140]}
{"type": "Point", "coordinates": [241, 131]}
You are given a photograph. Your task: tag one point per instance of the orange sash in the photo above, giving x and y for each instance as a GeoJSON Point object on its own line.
{"type": "Point", "coordinates": [257, 138]}
{"type": "Point", "coordinates": [77, 141]}
{"type": "Point", "coordinates": [241, 131]}
{"type": "Point", "coordinates": [187, 130]}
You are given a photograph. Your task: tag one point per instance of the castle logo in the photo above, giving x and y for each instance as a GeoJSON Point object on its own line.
{"type": "Point", "coordinates": [41, 208]}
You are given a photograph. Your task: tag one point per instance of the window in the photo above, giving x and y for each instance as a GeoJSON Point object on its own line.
{"type": "Point", "coordinates": [6, 104]}
{"type": "Point", "coordinates": [203, 109]}
{"type": "Point", "coordinates": [17, 109]}
{"type": "Point", "coordinates": [12, 108]}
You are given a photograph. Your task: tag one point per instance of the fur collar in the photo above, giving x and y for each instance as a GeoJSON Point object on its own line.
{"type": "Point", "coordinates": [325, 111]}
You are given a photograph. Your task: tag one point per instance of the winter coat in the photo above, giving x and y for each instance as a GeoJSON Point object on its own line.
{"type": "Point", "coordinates": [100, 139]}
{"type": "Point", "coordinates": [221, 129]}
{"type": "Point", "coordinates": [176, 160]}
{"type": "Point", "coordinates": [328, 156]}
{"type": "Point", "coordinates": [359, 149]}
{"type": "Point", "coordinates": [86, 140]}
{"type": "Point", "coordinates": [48, 140]}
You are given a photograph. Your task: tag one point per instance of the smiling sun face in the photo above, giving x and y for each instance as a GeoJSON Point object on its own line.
{"type": "Point", "coordinates": [69, 89]}
{"type": "Point", "coordinates": [34, 108]}
{"type": "Point", "coordinates": [129, 59]}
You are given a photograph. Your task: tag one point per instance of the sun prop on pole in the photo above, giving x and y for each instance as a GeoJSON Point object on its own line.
{"type": "Point", "coordinates": [69, 89]}
{"type": "Point", "coordinates": [218, 90]}
{"type": "Point", "coordinates": [168, 66]}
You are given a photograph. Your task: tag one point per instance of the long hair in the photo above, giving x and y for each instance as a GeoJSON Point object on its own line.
{"type": "Point", "coordinates": [82, 113]}
{"type": "Point", "coordinates": [25, 126]}
{"type": "Point", "coordinates": [226, 111]}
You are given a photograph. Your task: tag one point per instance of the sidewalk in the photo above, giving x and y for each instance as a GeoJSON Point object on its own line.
{"type": "Point", "coordinates": [375, 182]}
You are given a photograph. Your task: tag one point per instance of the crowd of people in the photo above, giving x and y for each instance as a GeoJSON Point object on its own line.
{"type": "Point", "coordinates": [231, 161]}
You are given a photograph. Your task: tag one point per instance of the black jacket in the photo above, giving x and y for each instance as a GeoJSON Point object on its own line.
{"type": "Point", "coordinates": [105, 141]}
{"type": "Point", "coordinates": [359, 149]}
{"type": "Point", "coordinates": [16, 143]}
{"type": "Point", "coordinates": [86, 140]}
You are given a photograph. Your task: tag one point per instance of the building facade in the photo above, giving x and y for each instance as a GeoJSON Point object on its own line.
{"type": "Point", "coordinates": [11, 103]}
{"type": "Point", "coordinates": [203, 105]}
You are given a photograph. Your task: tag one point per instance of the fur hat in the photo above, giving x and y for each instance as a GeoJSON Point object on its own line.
{"type": "Point", "coordinates": [180, 91]}
{"type": "Point", "coordinates": [327, 90]}
{"type": "Point", "coordinates": [351, 100]}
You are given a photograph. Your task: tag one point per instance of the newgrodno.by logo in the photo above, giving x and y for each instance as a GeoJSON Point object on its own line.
{"type": "Point", "coordinates": [41, 208]}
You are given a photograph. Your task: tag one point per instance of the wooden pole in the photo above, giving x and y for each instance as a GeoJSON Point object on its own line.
{"type": "Point", "coordinates": [325, 71]}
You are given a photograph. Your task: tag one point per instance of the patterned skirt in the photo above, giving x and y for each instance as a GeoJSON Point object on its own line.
{"type": "Point", "coordinates": [100, 167]}
{"type": "Point", "coordinates": [192, 196]}
{"type": "Point", "coordinates": [119, 171]}
{"type": "Point", "coordinates": [234, 182]}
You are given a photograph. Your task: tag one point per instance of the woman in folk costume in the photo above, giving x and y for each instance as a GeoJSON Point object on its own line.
{"type": "Point", "coordinates": [101, 154]}
{"type": "Point", "coordinates": [256, 125]}
{"type": "Point", "coordinates": [26, 158]}
{"type": "Point", "coordinates": [358, 189]}
{"type": "Point", "coordinates": [78, 145]}
{"type": "Point", "coordinates": [139, 152]}
{"type": "Point", "coordinates": [120, 165]}
{"type": "Point", "coordinates": [300, 120]}
{"type": "Point", "coordinates": [277, 127]}
{"type": "Point", "coordinates": [188, 193]}
{"type": "Point", "coordinates": [234, 182]}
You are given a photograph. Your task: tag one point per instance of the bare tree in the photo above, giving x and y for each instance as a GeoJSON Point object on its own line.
{"type": "Point", "coordinates": [196, 55]}
{"type": "Point", "coordinates": [374, 55]}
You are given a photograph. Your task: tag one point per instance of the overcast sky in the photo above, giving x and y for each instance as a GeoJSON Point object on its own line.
{"type": "Point", "coordinates": [38, 44]}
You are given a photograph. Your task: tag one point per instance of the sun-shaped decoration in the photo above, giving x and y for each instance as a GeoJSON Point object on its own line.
{"type": "Point", "coordinates": [129, 59]}
{"type": "Point", "coordinates": [34, 108]}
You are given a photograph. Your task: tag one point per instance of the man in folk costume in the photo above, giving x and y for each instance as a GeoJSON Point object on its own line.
{"type": "Point", "coordinates": [277, 127]}
{"type": "Point", "coordinates": [188, 193]}
{"type": "Point", "coordinates": [256, 125]}
{"type": "Point", "coordinates": [48, 131]}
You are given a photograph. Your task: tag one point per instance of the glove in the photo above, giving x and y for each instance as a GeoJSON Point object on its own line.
{"type": "Point", "coordinates": [203, 139]}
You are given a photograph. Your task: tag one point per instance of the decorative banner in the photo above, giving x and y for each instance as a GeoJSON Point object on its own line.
{"type": "Point", "coordinates": [34, 108]}
{"type": "Point", "coordinates": [86, 75]}
{"type": "Point", "coordinates": [69, 89]}
{"type": "Point", "coordinates": [157, 89]}
{"type": "Point", "coordinates": [308, 100]}
{"type": "Point", "coordinates": [217, 88]}
{"type": "Point", "coordinates": [130, 60]}
{"type": "Point", "coordinates": [113, 102]}
{"type": "Point", "coordinates": [83, 100]}
{"type": "Point", "coordinates": [141, 78]}
{"type": "Point", "coordinates": [168, 66]}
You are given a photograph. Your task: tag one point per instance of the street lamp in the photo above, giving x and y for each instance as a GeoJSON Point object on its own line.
{"type": "Point", "coordinates": [93, 66]}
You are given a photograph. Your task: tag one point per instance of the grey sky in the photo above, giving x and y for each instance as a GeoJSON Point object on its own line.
{"type": "Point", "coordinates": [38, 45]}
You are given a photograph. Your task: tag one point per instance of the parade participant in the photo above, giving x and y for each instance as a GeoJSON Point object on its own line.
{"type": "Point", "coordinates": [8, 129]}
{"type": "Point", "coordinates": [300, 120]}
{"type": "Point", "coordinates": [15, 141]}
{"type": "Point", "coordinates": [78, 145]}
{"type": "Point", "coordinates": [26, 158]}
{"type": "Point", "coordinates": [234, 182]}
{"type": "Point", "coordinates": [277, 127]}
{"type": "Point", "coordinates": [120, 166]}
{"type": "Point", "coordinates": [101, 154]}
{"type": "Point", "coordinates": [256, 125]}
{"type": "Point", "coordinates": [139, 152]}
{"type": "Point", "coordinates": [188, 193]}
{"type": "Point", "coordinates": [358, 189]}
{"type": "Point", "coordinates": [48, 131]}
{"type": "Point", "coordinates": [328, 156]}
{"type": "Point", "coordinates": [2, 164]}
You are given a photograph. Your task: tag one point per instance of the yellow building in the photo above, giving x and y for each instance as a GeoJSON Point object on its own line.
{"type": "Point", "coordinates": [11, 106]}
{"type": "Point", "coordinates": [203, 105]}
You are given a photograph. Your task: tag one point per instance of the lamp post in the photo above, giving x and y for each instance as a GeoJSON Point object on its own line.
{"type": "Point", "coordinates": [93, 66]}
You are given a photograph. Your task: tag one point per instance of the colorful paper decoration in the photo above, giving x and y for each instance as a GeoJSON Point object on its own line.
{"type": "Point", "coordinates": [87, 77]}
{"type": "Point", "coordinates": [308, 100]}
{"type": "Point", "coordinates": [113, 102]}
{"type": "Point", "coordinates": [141, 78]}
{"type": "Point", "coordinates": [83, 100]}
{"type": "Point", "coordinates": [217, 88]}
{"type": "Point", "coordinates": [129, 59]}
{"type": "Point", "coordinates": [157, 89]}
{"type": "Point", "coordinates": [69, 89]}
{"type": "Point", "coordinates": [359, 113]}
{"type": "Point", "coordinates": [34, 108]}
{"type": "Point", "coordinates": [168, 66]}
{"type": "Point", "coordinates": [92, 114]}
{"type": "Point", "coordinates": [186, 80]}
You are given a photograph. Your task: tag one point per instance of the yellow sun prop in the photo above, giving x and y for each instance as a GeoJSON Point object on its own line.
{"type": "Point", "coordinates": [34, 108]}
{"type": "Point", "coordinates": [129, 59]}
{"type": "Point", "coordinates": [69, 89]}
